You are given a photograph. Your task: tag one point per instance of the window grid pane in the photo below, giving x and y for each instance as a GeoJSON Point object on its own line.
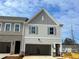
{"type": "Point", "coordinates": [33, 29]}
{"type": "Point", "coordinates": [50, 30]}
{"type": "Point", "coordinates": [17, 27]}
{"type": "Point", "coordinates": [7, 27]}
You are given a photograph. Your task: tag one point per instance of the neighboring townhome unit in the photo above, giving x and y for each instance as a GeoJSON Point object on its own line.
{"type": "Point", "coordinates": [11, 34]}
{"type": "Point", "coordinates": [41, 35]}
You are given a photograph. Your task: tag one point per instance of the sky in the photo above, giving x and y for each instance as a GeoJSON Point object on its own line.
{"type": "Point", "coordinates": [65, 12]}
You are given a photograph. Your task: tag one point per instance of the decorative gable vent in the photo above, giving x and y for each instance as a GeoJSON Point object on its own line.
{"type": "Point", "coordinates": [42, 18]}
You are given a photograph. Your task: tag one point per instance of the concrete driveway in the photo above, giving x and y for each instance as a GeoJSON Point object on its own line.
{"type": "Point", "coordinates": [39, 57]}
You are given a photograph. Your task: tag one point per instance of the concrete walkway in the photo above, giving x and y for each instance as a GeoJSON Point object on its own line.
{"type": "Point", "coordinates": [40, 57]}
{"type": "Point", "coordinates": [4, 55]}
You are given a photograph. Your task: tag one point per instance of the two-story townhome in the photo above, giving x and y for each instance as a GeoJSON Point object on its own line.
{"type": "Point", "coordinates": [41, 35]}
{"type": "Point", "coordinates": [11, 34]}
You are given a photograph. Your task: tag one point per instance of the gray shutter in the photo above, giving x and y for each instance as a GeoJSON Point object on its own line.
{"type": "Point", "coordinates": [30, 29]}
{"type": "Point", "coordinates": [36, 29]}
{"type": "Point", "coordinates": [55, 30]}
{"type": "Point", "coordinates": [48, 30]}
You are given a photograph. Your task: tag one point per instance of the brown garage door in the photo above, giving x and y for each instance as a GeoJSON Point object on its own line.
{"type": "Point", "coordinates": [5, 47]}
{"type": "Point", "coordinates": [38, 49]}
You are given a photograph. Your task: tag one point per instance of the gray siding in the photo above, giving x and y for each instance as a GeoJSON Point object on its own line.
{"type": "Point", "coordinates": [11, 38]}
{"type": "Point", "coordinates": [38, 19]}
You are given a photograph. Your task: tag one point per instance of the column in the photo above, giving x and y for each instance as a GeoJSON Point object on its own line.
{"type": "Point", "coordinates": [60, 49]}
{"type": "Point", "coordinates": [54, 50]}
{"type": "Point", "coordinates": [51, 49]}
{"type": "Point", "coordinates": [12, 47]}
{"type": "Point", "coordinates": [22, 49]}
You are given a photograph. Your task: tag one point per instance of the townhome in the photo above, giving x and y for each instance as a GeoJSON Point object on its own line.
{"type": "Point", "coordinates": [42, 35]}
{"type": "Point", "coordinates": [11, 34]}
{"type": "Point", "coordinates": [39, 35]}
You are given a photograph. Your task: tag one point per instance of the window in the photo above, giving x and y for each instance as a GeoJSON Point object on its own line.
{"type": "Point", "coordinates": [17, 27]}
{"type": "Point", "coordinates": [51, 30]}
{"type": "Point", "coordinates": [0, 26]}
{"type": "Point", "coordinates": [33, 30]}
{"type": "Point", "coordinates": [7, 26]}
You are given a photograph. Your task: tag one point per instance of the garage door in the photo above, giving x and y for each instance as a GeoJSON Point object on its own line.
{"type": "Point", "coordinates": [5, 47]}
{"type": "Point", "coordinates": [38, 49]}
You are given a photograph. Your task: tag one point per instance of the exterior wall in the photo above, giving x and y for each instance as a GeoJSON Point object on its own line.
{"type": "Point", "coordinates": [42, 34]}
{"type": "Point", "coordinates": [41, 41]}
{"type": "Point", "coordinates": [12, 32]}
{"type": "Point", "coordinates": [10, 38]}
{"type": "Point", "coordinates": [42, 31]}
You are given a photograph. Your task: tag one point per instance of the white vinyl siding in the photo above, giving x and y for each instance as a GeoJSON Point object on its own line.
{"type": "Point", "coordinates": [16, 27]}
{"type": "Point", "coordinates": [33, 30]}
{"type": "Point", "coordinates": [7, 27]}
{"type": "Point", "coordinates": [0, 26]}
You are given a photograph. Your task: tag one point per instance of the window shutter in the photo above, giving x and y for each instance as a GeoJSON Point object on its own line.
{"type": "Point", "coordinates": [30, 28]}
{"type": "Point", "coordinates": [55, 30]}
{"type": "Point", "coordinates": [36, 30]}
{"type": "Point", "coordinates": [48, 30]}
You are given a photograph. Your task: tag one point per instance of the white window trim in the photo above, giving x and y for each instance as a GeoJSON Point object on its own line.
{"type": "Point", "coordinates": [5, 26]}
{"type": "Point", "coordinates": [19, 27]}
{"type": "Point", "coordinates": [1, 27]}
{"type": "Point", "coordinates": [36, 32]}
{"type": "Point", "coordinates": [53, 30]}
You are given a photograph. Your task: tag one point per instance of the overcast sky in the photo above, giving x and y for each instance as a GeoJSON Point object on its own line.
{"type": "Point", "coordinates": [65, 12]}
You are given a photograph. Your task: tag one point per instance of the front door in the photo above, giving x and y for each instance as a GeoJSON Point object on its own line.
{"type": "Point", "coordinates": [57, 49]}
{"type": "Point", "coordinates": [17, 47]}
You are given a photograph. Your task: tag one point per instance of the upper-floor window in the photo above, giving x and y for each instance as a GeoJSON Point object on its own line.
{"type": "Point", "coordinates": [7, 26]}
{"type": "Point", "coordinates": [0, 26]}
{"type": "Point", "coordinates": [50, 30]}
{"type": "Point", "coordinates": [17, 27]}
{"type": "Point", "coordinates": [33, 29]}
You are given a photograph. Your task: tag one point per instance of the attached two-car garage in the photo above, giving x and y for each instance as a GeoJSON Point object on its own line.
{"type": "Point", "coordinates": [5, 47]}
{"type": "Point", "coordinates": [32, 49]}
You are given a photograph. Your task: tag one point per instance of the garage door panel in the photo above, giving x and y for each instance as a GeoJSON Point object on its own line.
{"type": "Point", "coordinates": [5, 47]}
{"type": "Point", "coordinates": [38, 49]}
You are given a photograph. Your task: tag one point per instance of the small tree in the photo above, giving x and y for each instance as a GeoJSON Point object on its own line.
{"type": "Point", "coordinates": [69, 41]}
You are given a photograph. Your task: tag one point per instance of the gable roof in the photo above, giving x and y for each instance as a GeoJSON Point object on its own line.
{"type": "Point", "coordinates": [13, 17]}
{"type": "Point", "coordinates": [53, 19]}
